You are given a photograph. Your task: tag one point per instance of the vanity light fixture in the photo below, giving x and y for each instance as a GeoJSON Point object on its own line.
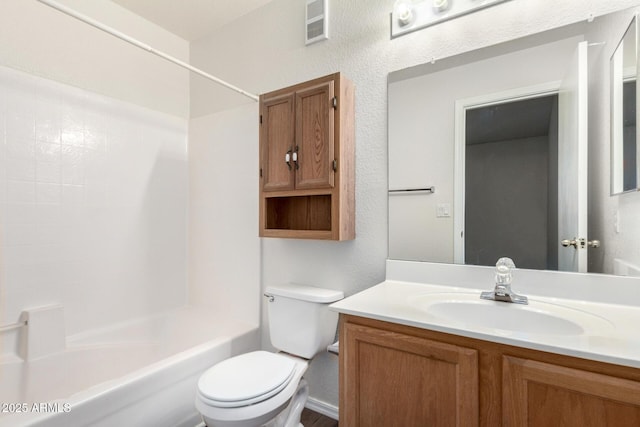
{"type": "Point", "coordinates": [440, 5]}
{"type": "Point", "coordinates": [412, 15]}
{"type": "Point", "coordinates": [403, 12]}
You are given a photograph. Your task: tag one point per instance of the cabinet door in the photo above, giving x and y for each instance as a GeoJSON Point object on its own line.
{"type": "Point", "coordinates": [315, 136]}
{"type": "Point", "coordinates": [392, 379]}
{"type": "Point", "coordinates": [542, 394]}
{"type": "Point", "coordinates": [276, 142]}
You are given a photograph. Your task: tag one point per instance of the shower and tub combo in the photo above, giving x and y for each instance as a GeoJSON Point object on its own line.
{"type": "Point", "coordinates": [143, 372]}
{"type": "Point", "coordinates": [96, 324]}
{"type": "Point", "coordinates": [157, 371]}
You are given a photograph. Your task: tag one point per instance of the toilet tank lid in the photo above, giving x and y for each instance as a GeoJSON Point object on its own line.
{"type": "Point", "coordinates": [305, 293]}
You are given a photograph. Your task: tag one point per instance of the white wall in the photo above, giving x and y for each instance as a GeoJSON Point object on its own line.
{"type": "Point", "coordinates": [42, 41]}
{"type": "Point", "coordinates": [224, 248]}
{"type": "Point", "coordinates": [93, 196]}
{"type": "Point", "coordinates": [265, 50]}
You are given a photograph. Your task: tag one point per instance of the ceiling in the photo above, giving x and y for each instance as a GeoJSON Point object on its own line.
{"type": "Point", "coordinates": [191, 19]}
{"type": "Point", "coordinates": [510, 121]}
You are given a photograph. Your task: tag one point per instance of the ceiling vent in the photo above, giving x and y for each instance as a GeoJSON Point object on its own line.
{"type": "Point", "coordinates": [316, 21]}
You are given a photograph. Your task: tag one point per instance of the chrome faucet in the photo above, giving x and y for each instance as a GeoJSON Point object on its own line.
{"type": "Point", "coordinates": [502, 291]}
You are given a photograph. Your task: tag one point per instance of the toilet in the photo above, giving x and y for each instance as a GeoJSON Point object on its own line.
{"type": "Point", "coordinates": [262, 388]}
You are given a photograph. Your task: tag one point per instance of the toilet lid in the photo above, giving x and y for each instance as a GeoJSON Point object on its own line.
{"type": "Point", "coordinates": [246, 379]}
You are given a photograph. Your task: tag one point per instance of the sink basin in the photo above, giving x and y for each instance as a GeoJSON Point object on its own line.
{"type": "Point", "coordinates": [541, 318]}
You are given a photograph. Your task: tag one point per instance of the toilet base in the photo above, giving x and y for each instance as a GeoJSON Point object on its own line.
{"type": "Point", "coordinates": [289, 417]}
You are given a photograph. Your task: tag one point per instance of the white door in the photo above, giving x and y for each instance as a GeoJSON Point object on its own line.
{"type": "Point", "coordinates": [572, 164]}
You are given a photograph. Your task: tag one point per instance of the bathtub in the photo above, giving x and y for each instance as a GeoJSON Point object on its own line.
{"type": "Point", "coordinates": [141, 373]}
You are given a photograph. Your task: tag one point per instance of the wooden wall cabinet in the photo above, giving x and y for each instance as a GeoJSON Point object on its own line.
{"type": "Point", "coordinates": [307, 160]}
{"type": "Point", "coordinates": [395, 375]}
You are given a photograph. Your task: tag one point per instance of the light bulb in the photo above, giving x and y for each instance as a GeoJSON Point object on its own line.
{"type": "Point", "coordinates": [403, 11]}
{"type": "Point", "coordinates": [440, 5]}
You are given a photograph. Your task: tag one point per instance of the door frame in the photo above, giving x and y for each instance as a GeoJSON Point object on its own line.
{"type": "Point", "coordinates": [461, 107]}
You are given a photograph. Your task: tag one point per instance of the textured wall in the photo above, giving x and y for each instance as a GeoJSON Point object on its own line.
{"type": "Point", "coordinates": [265, 50]}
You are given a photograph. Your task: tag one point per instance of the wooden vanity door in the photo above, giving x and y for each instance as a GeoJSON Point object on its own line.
{"type": "Point", "coordinates": [537, 394]}
{"type": "Point", "coordinates": [393, 379]}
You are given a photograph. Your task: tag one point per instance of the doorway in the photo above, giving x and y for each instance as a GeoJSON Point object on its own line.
{"type": "Point", "coordinates": [511, 182]}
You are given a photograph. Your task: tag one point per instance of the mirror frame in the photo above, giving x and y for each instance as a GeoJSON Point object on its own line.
{"type": "Point", "coordinates": [616, 68]}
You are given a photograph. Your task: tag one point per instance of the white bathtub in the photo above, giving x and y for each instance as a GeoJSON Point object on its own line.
{"type": "Point", "coordinates": [142, 373]}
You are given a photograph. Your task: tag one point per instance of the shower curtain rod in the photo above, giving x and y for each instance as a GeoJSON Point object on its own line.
{"type": "Point", "coordinates": [13, 326]}
{"type": "Point", "coordinates": [87, 20]}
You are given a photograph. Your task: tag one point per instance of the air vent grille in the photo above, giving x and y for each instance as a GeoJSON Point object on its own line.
{"type": "Point", "coordinates": [316, 21]}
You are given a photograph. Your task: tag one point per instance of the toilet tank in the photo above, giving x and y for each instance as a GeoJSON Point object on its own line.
{"type": "Point", "coordinates": [300, 321]}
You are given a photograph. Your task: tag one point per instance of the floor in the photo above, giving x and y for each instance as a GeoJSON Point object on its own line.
{"type": "Point", "coordinates": [313, 419]}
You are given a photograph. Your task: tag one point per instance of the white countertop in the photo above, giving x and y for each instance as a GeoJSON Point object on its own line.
{"type": "Point", "coordinates": [613, 338]}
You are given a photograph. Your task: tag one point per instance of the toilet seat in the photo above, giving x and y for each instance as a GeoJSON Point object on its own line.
{"type": "Point", "coordinates": [257, 413]}
{"type": "Point", "coordinates": [246, 379]}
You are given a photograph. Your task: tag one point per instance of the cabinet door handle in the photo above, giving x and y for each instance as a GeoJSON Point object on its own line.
{"type": "Point", "coordinates": [295, 158]}
{"type": "Point", "coordinates": [287, 159]}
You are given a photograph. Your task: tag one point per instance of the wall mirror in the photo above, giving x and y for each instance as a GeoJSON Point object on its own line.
{"type": "Point", "coordinates": [624, 152]}
{"type": "Point", "coordinates": [488, 152]}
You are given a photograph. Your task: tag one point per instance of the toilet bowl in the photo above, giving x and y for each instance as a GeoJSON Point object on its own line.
{"type": "Point", "coordinates": [261, 388]}
{"type": "Point", "coordinates": [252, 389]}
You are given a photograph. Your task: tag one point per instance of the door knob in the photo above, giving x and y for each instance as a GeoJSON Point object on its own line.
{"type": "Point", "coordinates": [580, 243]}
{"type": "Point", "coordinates": [567, 243]}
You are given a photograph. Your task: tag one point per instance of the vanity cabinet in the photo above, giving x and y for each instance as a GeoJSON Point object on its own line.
{"type": "Point", "coordinates": [396, 379]}
{"type": "Point", "coordinates": [307, 184]}
{"type": "Point", "coordinates": [392, 374]}
{"type": "Point", "coordinates": [539, 394]}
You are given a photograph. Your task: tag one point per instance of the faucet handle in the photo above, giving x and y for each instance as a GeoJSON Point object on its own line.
{"type": "Point", "coordinates": [503, 270]}
{"type": "Point", "coordinates": [502, 291]}
{"type": "Point", "coordinates": [505, 264]}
